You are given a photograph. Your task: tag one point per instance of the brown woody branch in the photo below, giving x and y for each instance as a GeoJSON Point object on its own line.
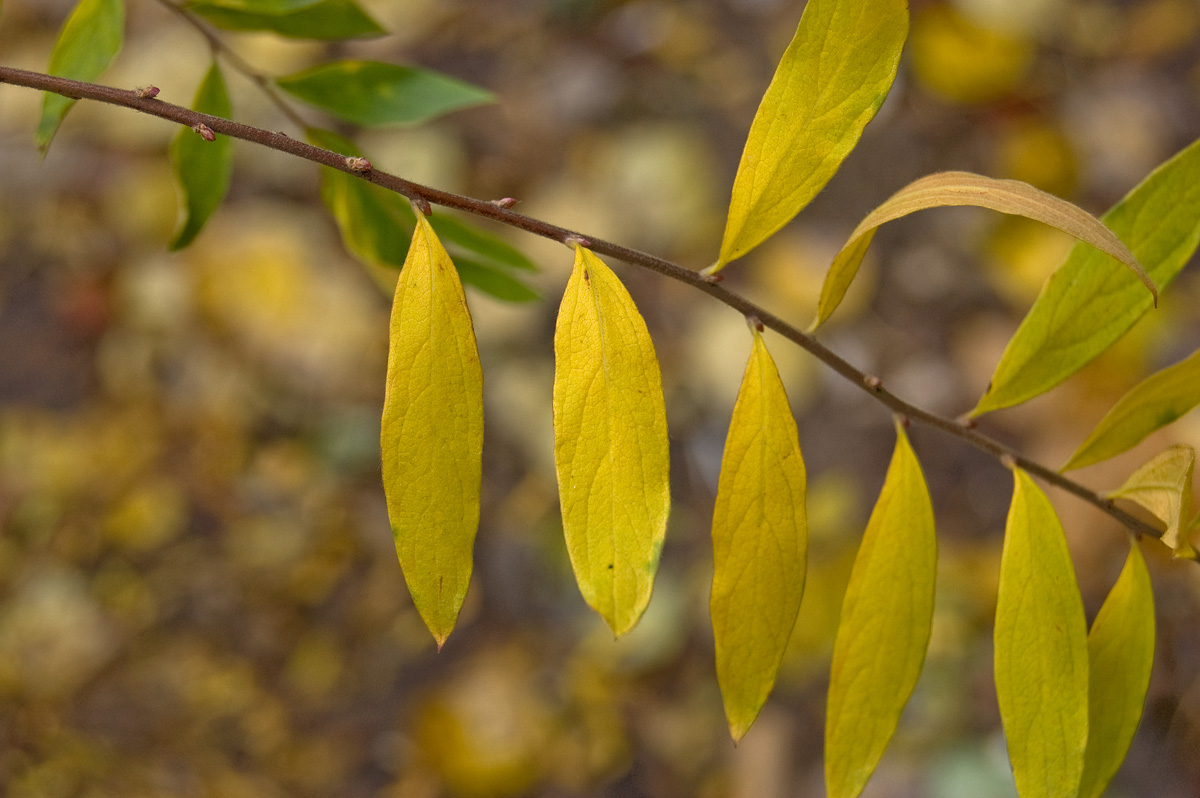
{"type": "Point", "coordinates": [492, 210]}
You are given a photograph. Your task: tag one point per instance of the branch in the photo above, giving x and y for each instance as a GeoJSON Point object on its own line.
{"type": "Point", "coordinates": [423, 194]}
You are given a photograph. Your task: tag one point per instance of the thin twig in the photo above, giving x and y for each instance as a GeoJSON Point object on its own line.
{"type": "Point", "coordinates": [491, 210]}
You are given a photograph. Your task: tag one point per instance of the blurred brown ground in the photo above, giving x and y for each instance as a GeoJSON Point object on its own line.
{"type": "Point", "coordinates": [198, 590]}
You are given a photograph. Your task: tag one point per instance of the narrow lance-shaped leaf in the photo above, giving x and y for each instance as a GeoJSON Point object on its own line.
{"type": "Point", "coordinates": [1164, 487]}
{"type": "Point", "coordinates": [887, 616]}
{"type": "Point", "coordinates": [1120, 658]}
{"type": "Point", "coordinates": [830, 82]}
{"type": "Point", "coordinates": [610, 443]}
{"type": "Point", "coordinates": [88, 42]}
{"type": "Point", "coordinates": [374, 93]}
{"type": "Point", "coordinates": [1041, 649]}
{"type": "Point", "coordinates": [326, 19]}
{"type": "Point", "coordinates": [760, 541]}
{"type": "Point", "coordinates": [202, 167]}
{"type": "Point", "coordinates": [1150, 405]}
{"type": "Point", "coordinates": [1090, 300]}
{"type": "Point", "coordinates": [432, 432]}
{"type": "Point", "coordinates": [964, 188]}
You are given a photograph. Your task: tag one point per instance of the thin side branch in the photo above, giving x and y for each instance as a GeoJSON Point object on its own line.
{"type": "Point", "coordinates": [423, 194]}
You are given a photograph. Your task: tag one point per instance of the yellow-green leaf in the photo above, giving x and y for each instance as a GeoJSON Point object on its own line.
{"type": "Point", "coordinates": [88, 42]}
{"type": "Point", "coordinates": [1150, 405]}
{"type": "Point", "coordinates": [964, 188]}
{"type": "Point", "coordinates": [1120, 658]}
{"type": "Point", "coordinates": [202, 167]}
{"type": "Point", "coordinates": [1090, 300]}
{"type": "Point", "coordinates": [760, 541]}
{"type": "Point", "coordinates": [1164, 487]}
{"type": "Point", "coordinates": [830, 82]}
{"type": "Point", "coordinates": [886, 619]}
{"type": "Point", "coordinates": [432, 432]}
{"type": "Point", "coordinates": [610, 443]}
{"type": "Point", "coordinates": [1041, 649]}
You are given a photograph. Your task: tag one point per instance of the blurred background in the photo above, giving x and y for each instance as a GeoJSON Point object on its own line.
{"type": "Point", "coordinates": [199, 594]}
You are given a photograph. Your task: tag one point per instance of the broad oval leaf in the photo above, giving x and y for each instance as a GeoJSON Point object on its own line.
{"type": "Point", "coordinates": [203, 168]}
{"type": "Point", "coordinates": [964, 188]}
{"type": "Point", "coordinates": [88, 42]}
{"type": "Point", "coordinates": [375, 93]}
{"type": "Point", "coordinates": [760, 541]}
{"type": "Point", "coordinates": [1041, 649]}
{"type": "Point", "coordinates": [830, 82]}
{"type": "Point", "coordinates": [1164, 487]}
{"type": "Point", "coordinates": [1090, 301]}
{"type": "Point", "coordinates": [883, 635]}
{"type": "Point", "coordinates": [432, 432]}
{"type": "Point", "coordinates": [1150, 405]}
{"type": "Point", "coordinates": [1120, 658]}
{"type": "Point", "coordinates": [327, 19]}
{"type": "Point", "coordinates": [610, 443]}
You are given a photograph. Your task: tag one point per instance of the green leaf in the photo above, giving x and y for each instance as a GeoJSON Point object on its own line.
{"type": "Point", "coordinates": [760, 541]}
{"type": "Point", "coordinates": [271, 7]}
{"type": "Point", "coordinates": [484, 245]}
{"type": "Point", "coordinates": [327, 19]}
{"type": "Point", "coordinates": [493, 282]}
{"type": "Point", "coordinates": [887, 616]}
{"type": "Point", "coordinates": [1164, 487]}
{"type": "Point", "coordinates": [1041, 649]}
{"type": "Point", "coordinates": [1150, 405]}
{"type": "Point", "coordinates": [1090, 301]}
{"type": "Point", "coordinates": [963, 188]}
{"type": "Point", "coordinates": [830, 82]}
{"type": "Point", "coordinates": [1120, 658]}
{"type": "Point", "coordinates": [374, 93]}
{"type": "Point", "coordinates": [610, 443]}
{"type": "Point", "coordinates": [203, 168]}
{"type": "Point", "coordinates": [88, 42]}
{"type": "Point", "coordinates": [432, 432]}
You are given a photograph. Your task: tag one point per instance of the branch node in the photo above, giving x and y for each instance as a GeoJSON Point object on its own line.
{"type": "Point", "coordinates": [1008, 461]}
{"type": "Point", "coordinates": [360, 165]}
{"type": "Point", "coordinates": [574, 241]}
{"type": "Point", "coordinates": [966, 422]}
{"type": "Point", "coordinates": [712, 279]}
{"type": "Point", "coordinates": [421, 205]}
{"type": "Point", "coordinates": [505, 203]}
{"type": "Point", "coordinates": [754, 322]}
{"type": "Point", "coordinates": [872, 382]}
{"type": "Point", "coordinates": [904, 420]}
{"type": "Point", "coordinates": [146, 92]}
{"type": "Point", "coordinates": [204, 131]}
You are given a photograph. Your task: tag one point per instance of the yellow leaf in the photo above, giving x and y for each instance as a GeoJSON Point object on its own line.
{"type": "Point", "coordinates": [887, 615]}
{"type": "Point", "coordinates": [1164, 487]}
{"type": "Point", "coordinates": [830, 82]}
{"type": "Point", "coordinates": [1041, 649]}
{"type": "Point", "coordinates": [1120, 658]}
{"type": "Point", "coordinates": [432, 432]}
{"type": "Point", "coordinates": [610, 443]}
{"type": "Point", "coordinates": [760, 541]}
{"type": "Point", "coordinates": [964, 188]}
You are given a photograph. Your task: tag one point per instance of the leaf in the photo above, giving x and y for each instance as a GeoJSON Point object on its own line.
{"type": "Point", "coordinates": [266, 7]}
{"type": "Point", "coordinates": [830, 82]}
{"type": "Point", "coordinates": [432, 432]}
{"type": "Point", "coordinates": [887, 616]}
{"type": "Point", "coordinates": [374, 93]}
{"type": "Point", "coordinates": [376, 226]}
{"type": "Point", "coordinates": [963, 188]}
{"type": "Point", "coordinates": [1150, 405]}
{"type": "Point", "coordinates": [610, 443]}
{"type": "Point", "coordinates": [327, 19]}
{"type": "Point", "coordinates": [1120, 657]}
{"type": "Point", "coordinates": [760, 541]}
{"type": "Point", "coordinates": [88, 42]}
{"type": "Point", "coordinates": [203, 168]}
{"type": "Point", "coordinates": [1041, 649]}
{"type": "Point", "coordinates": [1164, 487]}
{"type": "Point", "coordinates": [1090, 301]}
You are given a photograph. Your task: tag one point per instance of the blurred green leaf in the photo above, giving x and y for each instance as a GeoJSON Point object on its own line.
{"type": "Point", "coordinates": [1090, 301]}
{"type": "Point", "coordinates": [1040, 649]}
{"type": "Point", "coordinates": [1120, 659]}
{"type": "Point", "coordinates": [263, 6]}
{"type": "Point", "coordinates": [1150, 405]}
{"type": "Point", "coordinates": [485, 245]}
{"type": "Point", "coordinates": [1163, 485]}
{"type": "Point", "coordinates": [493, 282]}
{"type": "Point", "coordinates": [887, 616]}
{"type": "Point", "coordinates": [375, 93]}
{"type": "Point", "coordinates": [327, 19]}
{"type": "Point", "coordinates": [830, 82]}
{"type": "Point", "coordinates": [88, 42]}
{"type": "Point", "coordinates": [203, 168]}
